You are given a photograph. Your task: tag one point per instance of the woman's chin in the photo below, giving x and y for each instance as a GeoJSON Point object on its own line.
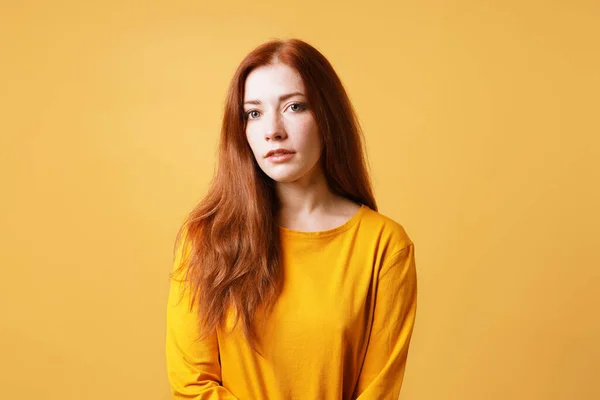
{"type": "Point", "coordinates": [284, 177]}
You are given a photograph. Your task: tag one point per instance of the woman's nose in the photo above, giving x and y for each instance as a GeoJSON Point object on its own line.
{"type": "Point", "coordinates": [274, 130]}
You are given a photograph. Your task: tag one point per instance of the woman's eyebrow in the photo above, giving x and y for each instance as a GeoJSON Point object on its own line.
{"type": "Point", "coordinates": [281, 98]}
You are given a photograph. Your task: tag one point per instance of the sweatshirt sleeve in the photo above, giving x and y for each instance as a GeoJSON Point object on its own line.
{"type": "Point", "coordinates": [393, 321]}
{"type": "Point", "coordinates": [193, 367]}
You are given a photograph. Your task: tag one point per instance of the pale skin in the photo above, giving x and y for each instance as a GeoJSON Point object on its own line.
{"type": "Point", "coordinates": [279, 116]}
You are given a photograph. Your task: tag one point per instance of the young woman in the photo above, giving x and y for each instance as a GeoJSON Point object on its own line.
{"type": "Point", "coordinates": [287, 281]}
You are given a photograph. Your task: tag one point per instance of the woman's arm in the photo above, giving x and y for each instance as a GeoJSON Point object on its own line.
{"type": "Point", "coordinates": [393, 321]}
{"type": "Point", "coordinates": [193, 367]}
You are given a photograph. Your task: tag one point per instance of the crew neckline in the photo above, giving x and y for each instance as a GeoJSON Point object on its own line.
{"type": "Point", "coordinates": [328, 232]}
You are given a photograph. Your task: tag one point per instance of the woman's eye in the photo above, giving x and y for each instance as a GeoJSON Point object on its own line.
{"type": "Point", "coordinates": [252, 114]}
{"type": "Point", "coordinates": [297, 107]}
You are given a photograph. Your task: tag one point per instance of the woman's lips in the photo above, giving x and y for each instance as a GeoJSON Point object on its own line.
{"type": "Point", "coordinates": [280, 157]}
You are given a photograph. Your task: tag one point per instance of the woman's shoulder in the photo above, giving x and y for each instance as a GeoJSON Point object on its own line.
{"type": "Point", "coordinates": [388, 231]}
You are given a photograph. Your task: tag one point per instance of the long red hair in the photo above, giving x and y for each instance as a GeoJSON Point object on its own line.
{"type": "Point", "coordinates": [234, 240]}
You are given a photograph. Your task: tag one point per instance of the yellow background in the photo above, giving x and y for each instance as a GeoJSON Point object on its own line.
{"type": "Point", "coordinates": [481, 120]}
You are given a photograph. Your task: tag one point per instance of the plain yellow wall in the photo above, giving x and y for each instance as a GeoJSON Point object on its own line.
{"type": "Point", "coordinates": [481, 120]}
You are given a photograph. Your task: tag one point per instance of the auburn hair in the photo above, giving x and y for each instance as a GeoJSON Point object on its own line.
{"type": "Point", "coordinates": [234, 260]}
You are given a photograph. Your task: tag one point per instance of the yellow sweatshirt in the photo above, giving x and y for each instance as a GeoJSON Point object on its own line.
{"type": "Point", "coordinates": [340, 329]}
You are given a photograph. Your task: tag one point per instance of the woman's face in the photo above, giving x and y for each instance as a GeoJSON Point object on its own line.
{"type": "Point", "coordinates": [279, 117]}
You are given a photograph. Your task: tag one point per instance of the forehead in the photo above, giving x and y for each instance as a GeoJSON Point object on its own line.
{"type": "Point", "coordinates": [272, 81]}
